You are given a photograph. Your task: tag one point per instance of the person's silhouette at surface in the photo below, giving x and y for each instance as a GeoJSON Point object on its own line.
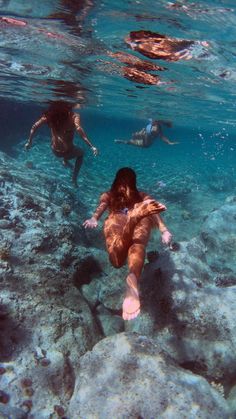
{"type": "Point", "coordinates": [63, 123]}
{"type": "Point", "coordinates": [161, 47]}
{"type": "Point", "coordinates": [132, 215]}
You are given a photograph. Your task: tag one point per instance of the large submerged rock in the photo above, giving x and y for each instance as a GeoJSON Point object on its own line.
{"type": "Point", "coordinates": [129, 376]}
{"type": "Point", "coordinates": [219, 236]}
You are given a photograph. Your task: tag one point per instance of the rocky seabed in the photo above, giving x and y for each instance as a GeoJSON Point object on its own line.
{"type": "Point", "coordinates": [65, 351]}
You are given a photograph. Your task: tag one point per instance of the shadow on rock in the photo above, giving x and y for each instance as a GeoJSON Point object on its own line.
{"type": "Point", "coordinates": [87, 269]}
{"type": "Point", "coordinates": [156, 290]}
{"type": "Point", "coordinates": [12, 336]}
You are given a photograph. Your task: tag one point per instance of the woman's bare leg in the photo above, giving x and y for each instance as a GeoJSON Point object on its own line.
{"type": "Point", "coordinates": [122, 141]}
{"type": "Point", "coordinates": [113, 232]}
{"type": "Point", "coordinates": [131, 303]}
{"type": "Point", "coordinates": [119, 229]}
{"type": "Point", "coordinates": [136, 257]}
{"type": "Point", "coordinates": [77, 153]}
{"type": "Point", "coordinates": [136, 142]}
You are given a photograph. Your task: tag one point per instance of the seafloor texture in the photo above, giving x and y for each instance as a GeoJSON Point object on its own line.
{"type": "Point", "coordinates": [60, 297]}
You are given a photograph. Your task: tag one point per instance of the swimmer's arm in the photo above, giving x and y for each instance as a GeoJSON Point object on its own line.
{"type": "Point", "coordinates": [101, 208]}
{"type": "Point", "coordinates": [160, 223]}
{"type": "Point", "coordinates": [83, 135]}
{"type": "Point", "coordinates": [163, 138]}
{"type": "Point", "coordinates": [166, 236]}
{"type": "Point", "coordinates": [34, 128]}
{"type": "Point", "coordinates": [166, 140]}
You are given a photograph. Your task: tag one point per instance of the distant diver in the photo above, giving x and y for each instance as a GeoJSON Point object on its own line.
{"type": "Point", "coordinates": [146, 136]}
{"type": "Point", "coordinates": [132, 215]}
{"type": "Point", "coordinates": [63, 123]}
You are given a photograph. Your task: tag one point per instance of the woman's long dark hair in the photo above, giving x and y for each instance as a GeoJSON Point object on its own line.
{"type": "Point", "coordinates": [58, 112]}
{"type": "Point", "coordinates": [124, 193]}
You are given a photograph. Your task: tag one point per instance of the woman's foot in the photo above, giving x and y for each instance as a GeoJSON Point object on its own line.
{"type": "Point", "coordinates": [140, 210]}
{"type": "Point", "coordinates": [146, 208]}
{"type": "Point", "coordinates": [131, 303]}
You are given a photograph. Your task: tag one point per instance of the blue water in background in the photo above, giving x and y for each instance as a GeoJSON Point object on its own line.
{"type": "Point", "coordinates": [61, 51]}
{"type": "Point", "coordinates": [198, 174]}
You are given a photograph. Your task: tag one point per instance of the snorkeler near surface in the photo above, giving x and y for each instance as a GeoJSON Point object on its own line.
{"type": "Point", "coordinates": [146, 136]}
{"type": "Point", "coordinates": [132, 215]}
{"type": "Point", "coordinates": [63, 123]}
{"type": "Point", "coordinates": [157, 46]}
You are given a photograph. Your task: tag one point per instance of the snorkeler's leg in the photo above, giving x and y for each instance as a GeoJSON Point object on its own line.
{"type": "Point", "coordinates": [137, 143]}
{"type": "Point", "coordinates": [136, 257]}
{"type": "Point", "coordinates": [138, 139]}
{"type": "Point", "coordinates": [79, 154]}
{"type": "Point", "coordinates": [121, 141]}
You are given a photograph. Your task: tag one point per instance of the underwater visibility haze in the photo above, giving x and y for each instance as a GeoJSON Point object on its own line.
{"type": "Point", "coordinates": [65, 350]}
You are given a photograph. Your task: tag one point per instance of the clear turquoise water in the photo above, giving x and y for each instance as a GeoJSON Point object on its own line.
{"type": "Point", "coordinates": [53, 57]}
{"type": "Point", "coordinates": [62, 52]}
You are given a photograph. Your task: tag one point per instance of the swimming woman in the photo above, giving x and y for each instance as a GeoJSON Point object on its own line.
{"type": "Point", "coordinates": [132, 215]}
{"type": "Point", "coordinates": [63, 123]}
{"type": "Point", "coordinates": [146, 136]}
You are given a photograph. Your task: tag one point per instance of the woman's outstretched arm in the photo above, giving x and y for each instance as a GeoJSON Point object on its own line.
{"type": "Point", "coordinates": [166, 236]}
{"type": "Point", "coordinates": [34, 128]}
{"type": "Point", "coordinates": [101, 208]}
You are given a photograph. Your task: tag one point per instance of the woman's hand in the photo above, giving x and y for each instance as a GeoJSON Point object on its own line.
{"type": "Point", "coordinates": [166, 237]}
{"type": "Point", "coordinates": [90, 223]}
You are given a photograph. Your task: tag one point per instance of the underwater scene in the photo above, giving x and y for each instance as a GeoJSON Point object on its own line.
{"type": "Point", "coordinates": [117, 209]}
